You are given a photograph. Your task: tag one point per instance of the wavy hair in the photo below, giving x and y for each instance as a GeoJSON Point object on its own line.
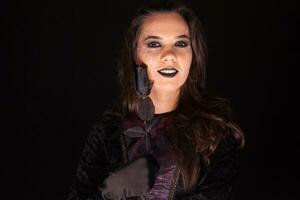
{"type": "Point", "coordinates": [201, 120]}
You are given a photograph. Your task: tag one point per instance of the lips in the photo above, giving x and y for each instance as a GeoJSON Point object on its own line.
{"type": "Point", "coordinates": [168, 72]}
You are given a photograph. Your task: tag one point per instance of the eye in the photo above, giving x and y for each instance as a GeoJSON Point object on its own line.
{"type": "Point", "coordinates": [153, 44]}
{"type": "Point", "coordinates": [181, 44]}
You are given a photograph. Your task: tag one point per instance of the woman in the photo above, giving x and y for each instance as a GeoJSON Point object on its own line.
{"type": "Point", "coordinates": [165, 138]}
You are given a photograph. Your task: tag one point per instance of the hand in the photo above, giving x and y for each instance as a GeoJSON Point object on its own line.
{"type": "Point", "coordinates": [132, 180]}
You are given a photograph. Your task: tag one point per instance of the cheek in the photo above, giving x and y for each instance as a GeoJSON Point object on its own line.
{"type": "Point", "coordinates": [185, 73]}
{"type": "Point", "coordinates": [186, 60]}
{"type": "Point", "coordinates": [149, 55]}
{"type": "Point", "coordinates": [151, 59]}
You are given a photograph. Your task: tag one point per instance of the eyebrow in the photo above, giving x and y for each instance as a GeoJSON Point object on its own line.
{"type": "Point", "coordinates": [159, 38]}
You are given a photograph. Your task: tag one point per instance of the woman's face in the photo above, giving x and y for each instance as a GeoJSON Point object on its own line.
{"type": "Point", "coordinates": [164, 46]}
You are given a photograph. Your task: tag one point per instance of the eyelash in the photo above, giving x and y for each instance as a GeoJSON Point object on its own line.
{"type": "Point", "coordinates": [180, 44]}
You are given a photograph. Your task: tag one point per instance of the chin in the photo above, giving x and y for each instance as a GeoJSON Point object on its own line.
{"type": "Point", "coordinates": [167, 88]}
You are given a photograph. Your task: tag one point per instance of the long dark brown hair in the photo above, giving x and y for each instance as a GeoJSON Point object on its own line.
{"type": "Point", "coordinates": [200, 120]}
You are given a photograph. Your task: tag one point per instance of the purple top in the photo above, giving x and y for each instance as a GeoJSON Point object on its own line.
{"type": "Point", "coordinates": [163, 153]}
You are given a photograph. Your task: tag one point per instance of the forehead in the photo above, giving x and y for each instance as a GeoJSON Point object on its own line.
{"type": "Point", "coordinates": [165, 23]}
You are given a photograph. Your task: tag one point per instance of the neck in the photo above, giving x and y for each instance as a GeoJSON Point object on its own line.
{"type": "Point", "coordinates": [164, 101]}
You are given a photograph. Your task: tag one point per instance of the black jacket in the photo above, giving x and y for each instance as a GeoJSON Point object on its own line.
{"type": "Point", "coordinates": [104, 152]}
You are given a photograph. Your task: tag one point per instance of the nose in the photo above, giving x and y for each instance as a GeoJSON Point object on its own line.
{"type": "Point", "coordinates": [168, 56]}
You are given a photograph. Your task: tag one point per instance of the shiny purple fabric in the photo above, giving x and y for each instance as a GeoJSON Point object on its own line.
{"type": "Point", "coordinates": [163, 152]}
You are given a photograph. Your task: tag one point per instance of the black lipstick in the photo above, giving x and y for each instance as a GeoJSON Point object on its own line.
{"type": "Point", "coordinates": [168, 72]}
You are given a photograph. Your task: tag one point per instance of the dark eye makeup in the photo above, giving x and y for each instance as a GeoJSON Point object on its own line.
{"type": "Point", "coordinates": [153, 44]}
{"type": "Point", "coordinates": [180, 44]}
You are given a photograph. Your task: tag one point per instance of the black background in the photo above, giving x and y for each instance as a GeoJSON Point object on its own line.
{"type": "Point", "coordinates": [61, 59]}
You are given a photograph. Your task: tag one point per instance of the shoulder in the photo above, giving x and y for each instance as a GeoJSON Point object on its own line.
{"type": "Point", "coordinates": [108, 118]}
{"type": "Point", "coordinates": [222, 170]}
{"type": "Point", "coordinates": [109, 122]}
{"type": "Point", "coordinates": [227, 148]}
{"type": "Point", "coordinates": [105, 138]}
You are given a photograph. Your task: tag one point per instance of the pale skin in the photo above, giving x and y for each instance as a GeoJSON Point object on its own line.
{"type": "Point", "coordinates": [164, 42]}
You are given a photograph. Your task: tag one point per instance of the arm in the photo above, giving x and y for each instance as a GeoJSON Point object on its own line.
{"type": "Point", "coordinates": [101, 172]}
{"type": "Point", "coordinates": [219, 179]}
{"type": "Point", "coordinates": [93, 167]}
